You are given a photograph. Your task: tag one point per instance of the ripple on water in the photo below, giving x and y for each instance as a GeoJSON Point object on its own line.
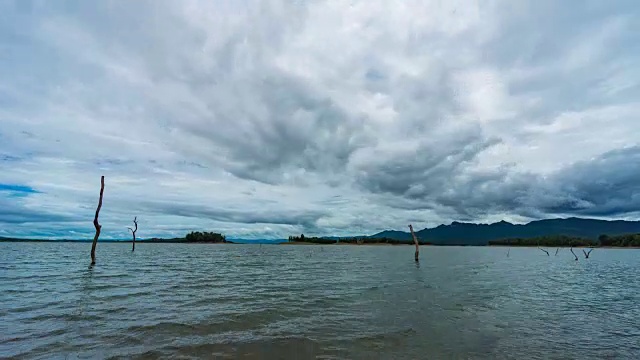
{"type": "Point", "coordinates": [328, 302]}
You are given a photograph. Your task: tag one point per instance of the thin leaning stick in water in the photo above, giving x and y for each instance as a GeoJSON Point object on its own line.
{"type": "Point", "coordinates": [133, 231]}
{"type": "Point", "coordinates": [586, 254]}
{"type": "Point", "coordinates": [96, 224]}
{"type": "Point", "coordinates": [415, 241]}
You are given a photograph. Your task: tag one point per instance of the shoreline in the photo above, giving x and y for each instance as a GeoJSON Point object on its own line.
{"type": "Point", "coordinates": [298, 243]}
{"type": "Point", "coordinates": [115, 241]}
{"type": "Point", "coordinates": [295, 243]}
{"type": "Point", "coordinates": [565, 247]}
{"type": "Point", "coordinates": [301, 243]}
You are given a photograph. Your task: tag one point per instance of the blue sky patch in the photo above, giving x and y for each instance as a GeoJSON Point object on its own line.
{"type": "Point", "coordinates": [18, 189]}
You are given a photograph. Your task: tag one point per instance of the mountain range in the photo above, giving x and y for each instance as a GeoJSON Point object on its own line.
{"type": "Point", "coordinates": [460, 233]}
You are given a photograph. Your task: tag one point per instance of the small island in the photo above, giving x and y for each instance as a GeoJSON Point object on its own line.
{"type": "Point", "coordinates": [202, 237]}
{"type": "Point", "coordinates": [205, 237]}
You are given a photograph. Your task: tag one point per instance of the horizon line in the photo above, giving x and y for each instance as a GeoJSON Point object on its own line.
{"type": "Point", "coordinates": [321, 236]}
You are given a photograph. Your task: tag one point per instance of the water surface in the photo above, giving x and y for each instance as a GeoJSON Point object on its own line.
{"type": "Point", "coordinates": [324, 302]}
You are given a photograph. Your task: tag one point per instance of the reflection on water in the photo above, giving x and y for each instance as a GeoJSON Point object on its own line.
{"type": "Point", "coordinates": [330, 302]}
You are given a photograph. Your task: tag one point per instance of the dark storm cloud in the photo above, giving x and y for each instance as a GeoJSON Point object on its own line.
{"type": "Point", "coordinates": [294, 130]}
{"type": "Point", "coordinates": [608, 185]}
{"type": "Point", "coordinates": [248, 216]}
{"type": "Point", "coordinates": [426, 171]}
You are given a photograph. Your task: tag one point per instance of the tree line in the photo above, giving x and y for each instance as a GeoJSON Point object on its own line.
{"type": "Point", "coordinates": [626, 240]}
{"type": "Point", "coordinates": [352, 240]}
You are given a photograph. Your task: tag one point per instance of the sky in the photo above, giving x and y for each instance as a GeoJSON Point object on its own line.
{"type": "Point", "coordinates": [264, 119]}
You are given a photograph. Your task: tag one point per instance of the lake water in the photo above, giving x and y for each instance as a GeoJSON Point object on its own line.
{"type": "Point", "coordinates": [323, 302]}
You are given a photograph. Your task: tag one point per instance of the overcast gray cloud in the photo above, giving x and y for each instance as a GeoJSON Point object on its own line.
{"type": "Point", "coordinates": [266, 119]}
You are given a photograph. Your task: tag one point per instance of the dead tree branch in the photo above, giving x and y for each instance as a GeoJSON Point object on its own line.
{"type": "Point", "coordinates": [96, 224]}
{"type": "Point", "coordinates": [133, 231]}
{"type": "Point", "coordinates": [558, 249]}
{"type": "Point", "coordinates": [539, 248]}
{"type": "Point", "coordinates": [586, 254]}
{"type": "Point", "coordinates": [415, 241]}
{"type": "Point", "coordinates": [574, 254]}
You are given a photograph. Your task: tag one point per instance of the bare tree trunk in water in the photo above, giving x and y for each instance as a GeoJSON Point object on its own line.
{"type": "Point", "coordinates": [96, 224]}
{"type": "Point", "coordinates": [415, 241]}
{"type": "Point", "coordinates": [574, 254]}
{"type": "Point", "coordinates": [133, 231]}
{"type": "Point", "coordinates": [586, 254]}
{"type": "Point", "coordinates": [558, 249]}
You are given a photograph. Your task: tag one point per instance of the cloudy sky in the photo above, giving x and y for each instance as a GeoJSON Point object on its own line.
{"type": "Point", "coordinates": [267, 119]}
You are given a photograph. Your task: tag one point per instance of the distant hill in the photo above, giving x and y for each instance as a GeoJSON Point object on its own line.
{"type": "Point", "coordinates": [480, 234]}
{"type": "Point", "coordinates": [393, 234]}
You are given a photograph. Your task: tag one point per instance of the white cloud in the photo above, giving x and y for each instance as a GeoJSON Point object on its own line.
{"type": "Point", "coordinates": [274, 118]}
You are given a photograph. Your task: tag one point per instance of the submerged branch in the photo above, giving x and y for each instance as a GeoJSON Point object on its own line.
{"type": "Point", "coordinates": [586, 254]}
{"type": "Point", "coordinates": [546, 252]}
{"type": "Point", "coordinates": [574, 254]}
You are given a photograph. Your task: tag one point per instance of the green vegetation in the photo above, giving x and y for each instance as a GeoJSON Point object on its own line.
{"type": "Point", "coordinates": [352, 240]}
{"type": "Point", "coordinates": [205, 237]}
{"type": "Point", "coordinates": [313, 240]}
{"type": "Point", "coordinates": [547, 241]}
{"type": "Point", "coordinates": [569, 241]}
{"type": "Point", "coordinates": [620, 240]}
